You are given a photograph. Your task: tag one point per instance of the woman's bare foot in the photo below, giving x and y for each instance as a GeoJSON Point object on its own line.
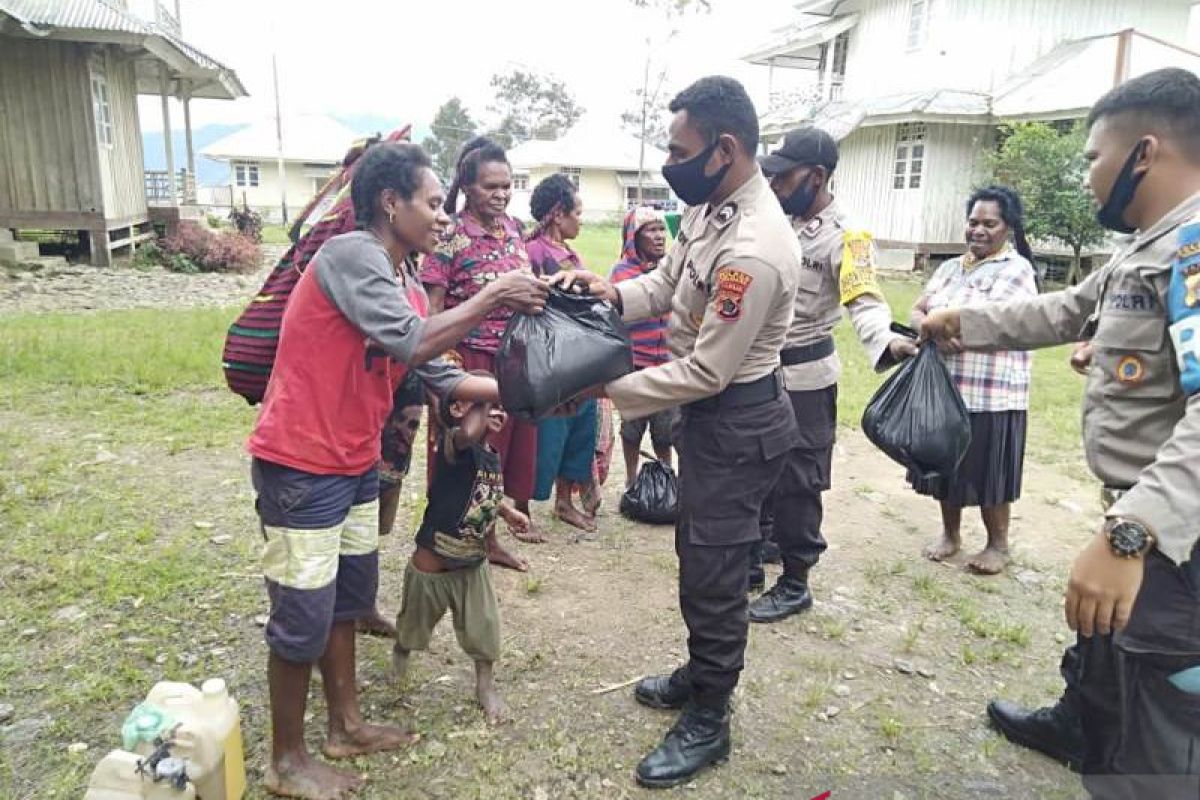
{"type": "Point", "coordinates": [571, 515]}
{"type": "Point", "coordinates": [988, 561]}
{"type": "Point", "coordinates": [485, 692]}
{"type": "Point", "coordinates": [942, 549]}
{"type": "Point", "coordinates": [374, 624]}
{"type": "Point", "coordinates": [520, 525]}
{"type": "Point", "coordinates": [365, 739]}
{"type": "Point", "coordinates": [501, 557]}
{"type": "Point", "coordinates": [309, 779]}
{"type": "Point", "coordinates": [590, 498]}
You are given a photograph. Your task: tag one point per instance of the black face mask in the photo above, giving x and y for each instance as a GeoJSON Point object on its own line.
{"type": "Point", "coordinates": [1112, 214]}
{"type": "Point", "coordinates": [688, 181]}
{"type": "Point", "coordinates": [800, 201]}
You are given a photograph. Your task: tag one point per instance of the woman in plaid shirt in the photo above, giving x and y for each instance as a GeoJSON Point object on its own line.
{"type": "Point", "coordinates": [994, 386]}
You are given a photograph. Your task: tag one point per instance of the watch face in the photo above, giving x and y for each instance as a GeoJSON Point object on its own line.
{"type": "Point", "coordinates": [1127, 538]}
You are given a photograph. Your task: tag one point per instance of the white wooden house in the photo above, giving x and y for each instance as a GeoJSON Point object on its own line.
{"type": "Point", "coordinates": [70, 137]}
{"type": "Point", "coordinates": [265, 178]}
{"type": "Point", "coordinates": [915, 89]}
{"type": "Point", "coordinates": [603, 162]}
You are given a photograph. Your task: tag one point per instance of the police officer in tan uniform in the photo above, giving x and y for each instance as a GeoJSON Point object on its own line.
{"type": "Point", "coordinates": [838, 272]}
{"type": "Point", "coordinates": [1133, 700]}
{"type": "Point", "coordinates": [729, 283]}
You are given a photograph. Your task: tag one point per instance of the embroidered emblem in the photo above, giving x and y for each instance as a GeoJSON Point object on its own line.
{"type": "Point", "coordinates": [814, 225]}
{"type": "Point", "coordinates": [1131, 371]}
{"type": "Point", "coordinates": [732, 285]}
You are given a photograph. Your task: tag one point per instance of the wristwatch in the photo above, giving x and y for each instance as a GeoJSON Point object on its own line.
{"type": "Point", "coordinates": [1128, 538]}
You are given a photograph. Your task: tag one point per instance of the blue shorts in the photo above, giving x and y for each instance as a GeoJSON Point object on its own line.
{"type": "Point", "coordinates": [320, 554]}
{"type": "Point", "coordinates": [566, 447]}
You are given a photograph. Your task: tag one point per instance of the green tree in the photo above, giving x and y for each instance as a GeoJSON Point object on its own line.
{"type": "Point", "coordinates": [531, 106]}
{"type": "Point", "coordinates": [452, 125]}
{"type": "Point", "coordinates": [1046, 165]}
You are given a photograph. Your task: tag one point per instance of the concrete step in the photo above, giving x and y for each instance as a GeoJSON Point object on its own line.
{"type": "Point", "coordinates": [5, 236]}
{"type": "Point", "coordinates": [16, 252]}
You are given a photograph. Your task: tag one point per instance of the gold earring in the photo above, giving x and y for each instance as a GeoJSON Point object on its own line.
{"type": "Point", "coordinates": [391, 215]}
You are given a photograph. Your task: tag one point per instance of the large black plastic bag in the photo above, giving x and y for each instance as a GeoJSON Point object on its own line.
{"type": "Point", "coordinates": [654, 495]}
{"type": "Point", "coordinates": [918, 417]}
{"type": "Point", "coordinates": [549, 358]}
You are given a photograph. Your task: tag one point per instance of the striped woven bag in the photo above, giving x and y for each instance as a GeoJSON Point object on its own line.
{"type": "Point", "coordinates": [252, 339]}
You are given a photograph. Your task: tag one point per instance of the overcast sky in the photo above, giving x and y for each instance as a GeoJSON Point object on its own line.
{"type": "Point", "coordinates": [404, 58]}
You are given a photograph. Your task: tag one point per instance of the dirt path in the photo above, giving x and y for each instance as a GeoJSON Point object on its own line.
{"type": "Point", "coordinates": [878, 692]}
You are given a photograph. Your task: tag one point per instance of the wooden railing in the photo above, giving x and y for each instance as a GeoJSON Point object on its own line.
{"type": "Point", "coordinates": [161, 190]}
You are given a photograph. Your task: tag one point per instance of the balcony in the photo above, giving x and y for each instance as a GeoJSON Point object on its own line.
{"type": "Point", "coordinates": [161, 190]}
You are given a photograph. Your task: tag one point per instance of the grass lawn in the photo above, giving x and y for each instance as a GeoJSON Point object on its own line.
{"type": "Point", "coordinates": [130, 553]}
{"type": "Point", "coordinates": [275, 234]}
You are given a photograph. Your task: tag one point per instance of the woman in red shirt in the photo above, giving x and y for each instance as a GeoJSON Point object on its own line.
{"type": "Point", "coordinates": [354, 325]}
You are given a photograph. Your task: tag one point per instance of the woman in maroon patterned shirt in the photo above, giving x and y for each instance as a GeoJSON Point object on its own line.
{"type": "Point", "coordinates": [481, 244]}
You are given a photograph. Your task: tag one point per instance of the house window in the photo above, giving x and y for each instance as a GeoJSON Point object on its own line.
{"type": "Point", "coordinates": [574, 173]}
{"type": "Point", "coordinates": [520, 182]}
{"type": "Point", "coordinates": [918, 20]}
{"type": "Point", "coordinates": [101, 109]}
{"type": "Point", "coordinates": [246, 174]}
{"type": "Point", "coordinates": [910, 156]}
{"type": "Point", "coordinates": [651, 196]}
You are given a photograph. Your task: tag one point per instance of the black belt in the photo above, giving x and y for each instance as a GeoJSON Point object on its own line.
{"type": "Point", "coordinates": [815, 351]}
{"type": "Point", "coordinates": [740, 395]}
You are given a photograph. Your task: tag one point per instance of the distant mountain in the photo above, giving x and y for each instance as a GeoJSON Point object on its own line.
{"type": "Point", "coordinates": [208, 172]}
{"type": "Point", "coordinates": [216, 173]}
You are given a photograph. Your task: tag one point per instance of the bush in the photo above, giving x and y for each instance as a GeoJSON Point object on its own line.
{"type": "Point", "coordinates": [147, 256]}
{"type": "Point", "coordinates": [204, 251]}
{"type": "Point", "coordinates": [247, 222]}
{"type": "Point", "coordinates": [214, 222]}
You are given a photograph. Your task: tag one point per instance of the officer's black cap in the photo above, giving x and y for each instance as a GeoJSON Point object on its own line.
{"type": "Point", "coordinates": [807, 146]}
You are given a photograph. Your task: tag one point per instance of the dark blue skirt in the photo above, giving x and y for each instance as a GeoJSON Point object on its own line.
{"type": "Point", "coordinates": [990, 473]}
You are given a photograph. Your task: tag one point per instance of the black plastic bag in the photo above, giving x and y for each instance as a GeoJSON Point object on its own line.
{"type": "Point", "coordinates": [918, 417]}
{"type": "Point", "coordinates": [546, 359]}
{"type": "Point", "coordinates": [654, 495]}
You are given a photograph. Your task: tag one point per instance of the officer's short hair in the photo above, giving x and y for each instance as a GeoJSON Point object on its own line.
{"type": "Point", "coordinates": [1166, 99]}
{"type": "Point", "coordinates": [719, 104]}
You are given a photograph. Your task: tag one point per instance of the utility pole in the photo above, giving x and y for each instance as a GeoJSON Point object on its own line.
{"type": "Point", "coordinates": [279, 141]}
{"type": "Point", "coordinates": [642, 137]}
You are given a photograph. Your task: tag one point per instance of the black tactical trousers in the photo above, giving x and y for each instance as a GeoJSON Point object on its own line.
{"type": "Point", "coordinates": [729, 458]}
{"type": "Point", "coordinates": [792, 515]}
{"type": "Point", "coordinates": [1141, 733]}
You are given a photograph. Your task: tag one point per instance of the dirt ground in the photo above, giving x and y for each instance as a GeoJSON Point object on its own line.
{"type": "Point", "coordinates": [878, 692]}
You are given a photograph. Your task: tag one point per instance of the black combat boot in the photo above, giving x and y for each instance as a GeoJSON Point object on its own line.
{"type": "Point", "coordinates": [664, 691]}
{"type": "Point", "coordinates": [789, 595]}
{"type": "Point", "coordinates": [1055, 731]}
{"type": "Point", "coordinates": [698, 739]}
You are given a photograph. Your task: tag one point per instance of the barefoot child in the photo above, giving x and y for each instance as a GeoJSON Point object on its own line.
{"type": "Point", "coordinates": [449, 568]}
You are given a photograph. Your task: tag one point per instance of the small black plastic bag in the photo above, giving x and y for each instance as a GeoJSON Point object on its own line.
{"type": "Point", "coordinates": [654, 495]}
{"type": "Point", "coordinates": [917, 417]}
{"type": "Point", "coordinates": [549, 358]}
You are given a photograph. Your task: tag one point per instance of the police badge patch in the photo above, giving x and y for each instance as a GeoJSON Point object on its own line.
{"type": "Point", "coordinates": [732, 285]}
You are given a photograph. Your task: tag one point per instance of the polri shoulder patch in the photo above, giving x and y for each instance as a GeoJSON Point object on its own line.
{"type": "Point", "coordinates": [731, 288]}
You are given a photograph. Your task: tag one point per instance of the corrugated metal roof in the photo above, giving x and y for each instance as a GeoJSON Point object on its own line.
{"type": "Point", "coordinates": [590, 146]}
{"type": "Point", "coordinates": [89, 14]}
{"type": "Point", "coordinates": [76, 19]}
{"type": "Point", "coordinates": [306, 137]}
{"type": "Point", "coordinates": [1072, 76]}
